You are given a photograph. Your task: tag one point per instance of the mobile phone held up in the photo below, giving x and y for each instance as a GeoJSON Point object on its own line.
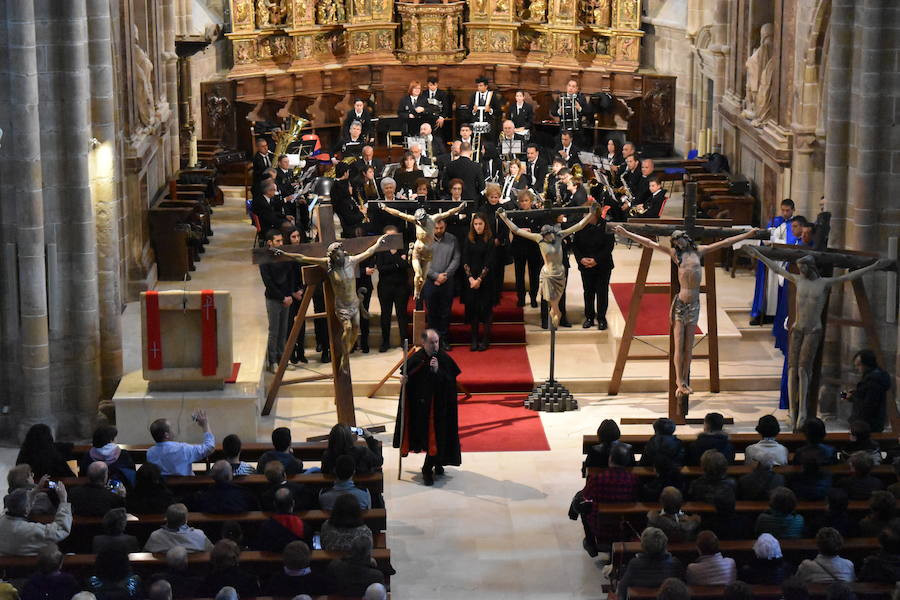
{"type": "Point", "coordinates": [357, 430]}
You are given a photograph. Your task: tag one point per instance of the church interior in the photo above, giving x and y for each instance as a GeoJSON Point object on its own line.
{"type": "Point", "coordinates": [495, 252]}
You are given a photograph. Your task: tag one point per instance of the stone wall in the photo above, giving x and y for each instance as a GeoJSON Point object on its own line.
{"type": "Point", "coordinates": [75, 236]}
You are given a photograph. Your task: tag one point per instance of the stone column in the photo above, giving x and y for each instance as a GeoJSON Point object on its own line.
{"type": "Point", "coordinates": [837, 137]}
{"type": "Point", "coordinates": [104, 183]}
{"type": "Point", "coordinates": [168, 53]}
{"type": "Point", "coordinates": [77, 236]}
{"type": "Point", "coordinates": [25, 171]}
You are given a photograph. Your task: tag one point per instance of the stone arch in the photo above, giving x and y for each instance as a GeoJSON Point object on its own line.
{"type": "Point", "coordinates": [814, 72]}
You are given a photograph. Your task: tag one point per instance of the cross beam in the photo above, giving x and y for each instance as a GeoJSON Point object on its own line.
{"type": "Point", "coordinates": [830, 257]}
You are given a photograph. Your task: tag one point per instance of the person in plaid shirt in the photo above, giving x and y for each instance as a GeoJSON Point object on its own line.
{"type": "Point", "coordinates": [615, 484]}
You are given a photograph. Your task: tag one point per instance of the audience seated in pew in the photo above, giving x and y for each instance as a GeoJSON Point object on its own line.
{"type": "Point", "coordinates": [710, 568]}
{"type": "Point", "coordinates": [341, 441]}
{"type": "Point", "coordinates": [184, 583]}
{"type": "Point", "coordinates": [757, 484]}
{"type": "Point", "coordinates": [49, 582]}
{"type": "Point", "coordinates": [20, 537]}
{"type": "Point", "coordinates": [664, 442]}
{"type": "Point", "coordinates": [835, 515]}
{"type": "Point", "coordinates": [281, 451]}
{"type": "Point", "coordinates": [714, 478]}
{"type": "Point", "coordinates": [375, 591]}
{"type": "Point", "coordinates": [282, 527]}
{"type": "Point", "coordinates": [232, 530]}
{"type": "Point", "coordinates": [21, 477]}
{"type": "Point", "coordinates": [224, 496]}
{"type": "Point", "coordinates": [344, 469]}
{"type": "Point", "coordinates": [711, 438]}
{"type": "Point", "coordinates": [113, 578]}
{"type": "Point", "coordinates": [297, 577]}
{"type": "Point", "coordinates": [813, 482]}
{"type": "Point", "coordinates": [861, 441]}
{"type": "Point", "coordinates": [45, 456]}
{"type": "Point", "coordinates": [651, 566]}
{"type": "Point", "coordinates": [882, 514]}
{"type": "Point", "coordinates": [737, 590]}
{"type": "Point", "coordinates": [176, 532]}
{"type": "Point", "coordinates": [225, 570]}
{"type": "Point", "coordinates": [668, 474]}
{"type": "Point", "coordinates": [354, 573]}
{"type": "Point", "coordinates": [884, 565]}
{"type": "Point", "coordinates": [677, 526]}
{"type": "Point", "coordinates": [860, 483]}
{"type": "Point", "coordinates": [231, 447]}
{"type": "Point", "coordinates": [673, 589]}
{"type": "Point", "coordinates": [615, 484]}
{"type": "Point", "coordinates": [160, 590]}
{"type": "Point", "coordinates": [304, 499]}
{"type": "Point", "coordinates": [151, 495]}
{"type": "Point", "coordinates": [767, 427]}
{"type": "Point", "coordinates": [726, 522]}
{"type": "Point", "coordinates": [114, 522]}
{"type": "Point", "coordinates": [768, 565]}
{"type": "Point", "coordinates": [96, 497]}
{"type": "Point", "coordinates": [780, 519]}
{"type": "Point", "coordinates": [814, 431]}
{"type": "Point", "coordinates": [178, 458]}
{"type": "Point", "coordinates": [598, 454]}
{"type": "Point", "coordinates": [828, 566]}
{"type": "Point", "coordinates": [344, 525]}
{"type": "Point", "coordinates": [104, 448]}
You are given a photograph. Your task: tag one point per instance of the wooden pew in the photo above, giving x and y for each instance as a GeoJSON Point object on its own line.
{"type": "Point", "coordinates": [144, 563]}
{"type": "Point", "coordinates": [740, 441]}
{"type": "Point", "coordinates": [885, 472]}
{"type": "Point", "coordinates": [642, 508]}
{"type": "Point", "coordinates": [170, 242]}
{"type": "Point", "coordinates": [250, 452]}
{"type": "Point", "coordinates": [141, 526]}
{"type": "Point", "coordinates": [768, 592]}
{"type": "Point", "coordinates": [741, 551]}
{"type": "Point", "coordinates": [183, 485]}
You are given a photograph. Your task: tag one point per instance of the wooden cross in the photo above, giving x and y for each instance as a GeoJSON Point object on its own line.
{"type": "Point", "coordinates": [698, 229]}
{"type": "Point", "coordinates": [828, 259]}
{"type": "Point", "coordinates": [314, 276]}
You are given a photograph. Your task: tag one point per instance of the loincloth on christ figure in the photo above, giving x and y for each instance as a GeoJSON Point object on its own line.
{"type": "Point", "coordinates": [347, 313]}
{"type": "Point", "coordinates": [552, 283]}
{"type": "Point", "coordinates": [802, 346]}
{"type": "Point", "coordinates": [686, 312]}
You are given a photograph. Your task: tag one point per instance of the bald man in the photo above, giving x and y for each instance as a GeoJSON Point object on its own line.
{"type": "Point", "coordinates": [96, 497]}
{"type": "Point", "coordinates": [224, 497]}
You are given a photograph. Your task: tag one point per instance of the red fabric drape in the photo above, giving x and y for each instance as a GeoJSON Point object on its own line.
{"type": "Point", "coordinates": [154, 339]}
{"type": "Point", "coordinates": [209, 351]}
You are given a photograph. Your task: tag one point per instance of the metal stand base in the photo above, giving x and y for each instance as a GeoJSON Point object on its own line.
{"type": "Point", "coordinates": [551, 396]}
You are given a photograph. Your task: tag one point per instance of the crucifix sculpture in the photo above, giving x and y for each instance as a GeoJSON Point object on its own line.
{"type": "Point", "coordinates": [340, 309]}
{"type": "Point", "coordinates": [811, 294]}
{"type": "Point", "coordinates": [684, 288]}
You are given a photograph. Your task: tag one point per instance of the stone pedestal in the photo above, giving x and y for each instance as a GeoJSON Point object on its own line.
{"type": "Point", "coordinates": [234, 409]}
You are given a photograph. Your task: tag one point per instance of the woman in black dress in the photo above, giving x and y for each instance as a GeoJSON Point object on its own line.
{"type": "Point", "coordinates": [478, 265]}
{"type": "Point", "coordinates": [407, 175]}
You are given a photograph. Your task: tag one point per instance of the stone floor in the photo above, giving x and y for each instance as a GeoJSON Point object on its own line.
{"type": "Point", "coordinates": [497, 527]}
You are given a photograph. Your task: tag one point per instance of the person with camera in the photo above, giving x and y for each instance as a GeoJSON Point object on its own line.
{"type": "Point", "coordinates": [99, 494]}
{"type": "Point", "coordinates": [21, 537]}
{"type": "Point", "coordinates": [178, 458]}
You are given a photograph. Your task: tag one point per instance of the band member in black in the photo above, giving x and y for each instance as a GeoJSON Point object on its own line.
{"type": "Point", "coordinates": [262, 160]}
{"type": "Point", "coordinates": [411, 110]}
{"type": "Point", "coordinates": [593, 248]}
{"type": "Point", "coordinates": [535, 167]}
{"type": "Point", "coordinates": [485, 103]}
{"type": "Point", "coordinates": [361, 114]}
{"type": "Point", "coordinates": [521, 113]}
{"type": "Point", "coordinates": [439, 105]}
{"type": "Point", "coordinates": [526, 253]}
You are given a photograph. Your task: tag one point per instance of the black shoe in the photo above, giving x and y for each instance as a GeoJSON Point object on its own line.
{"type": "Point", "coordinates": [318, 347]}
{"type": "Point", "coordinates": [271, 367]}
{"type": "Point", "coordinates": [757, 320]}
{"type": "Point", "coordinates": [326, 356]}
{"type": "Point", "coordinates": [427, 476]}
{"type": "Point", "coordinates": [534, 303]}
{"type": "Point", "coordinates": [768, 319]}
{"type": "Point", "coordinates": [602, 325]}
{"type": "Point", "coordinates": [364, 345]}
{"type": "Point", "coordinates": [564, 323]}
{"type": "Point", "coordinates": [588, 323]}
{"type": "Point", "coordinates": [589, 547]}
{"type": "Point", "coordinates": [545, 325]}
{"type": "Point", "coordinates": [483, 346]}
{"type": "Point", "coordinates": [521, 302]}
{"type": "Point", "coordinates": [384, 347]}
{"type": "Point", "coordinates": [439, 469]}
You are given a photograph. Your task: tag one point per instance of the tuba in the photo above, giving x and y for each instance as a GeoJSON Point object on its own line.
{"type": "Point", "coordinates": [284, 137]}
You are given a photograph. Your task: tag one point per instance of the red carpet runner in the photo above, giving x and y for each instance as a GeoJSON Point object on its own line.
{"type": "Point", "coordinates": [494, 419]}
{"type": "Point", "coordinates": [499, 423]}
{"type": "Point", "coordinates": [654, 310]}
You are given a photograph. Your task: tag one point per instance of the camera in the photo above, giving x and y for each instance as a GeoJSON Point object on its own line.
{"type": "Point", "coordinates": [357, 430]}
{"type": "Point", "coordinates": [51, 485]}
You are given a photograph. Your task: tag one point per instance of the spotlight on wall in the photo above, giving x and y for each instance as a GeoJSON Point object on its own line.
{"type": "Point", "coordinates": [94, 142]}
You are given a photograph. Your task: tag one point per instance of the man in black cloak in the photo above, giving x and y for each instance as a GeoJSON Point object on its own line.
{"type": "Point", "coordinates": [428, 421]}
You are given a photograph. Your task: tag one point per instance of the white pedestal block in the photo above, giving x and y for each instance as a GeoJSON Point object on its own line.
{"type": "Point", "coordinates": [234, 409]}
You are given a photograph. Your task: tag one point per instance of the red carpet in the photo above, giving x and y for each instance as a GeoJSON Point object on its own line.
{"type": "Point", "coordinates": [654, 310]}
{"type": "Point", "coordinates": [501, 368]}
{"type": "Point", "coordinates": [499, 423]}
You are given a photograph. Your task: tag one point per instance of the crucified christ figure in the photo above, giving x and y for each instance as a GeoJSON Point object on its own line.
{"type": "Point", "coordinates": [421, 250]}
{"type": "Point", "coordinates": [685, 311]}
{"type": "Point", "coordinates": [553, 273]}
{"type": "Point", "coordinates": [806, 333]}
{"type": "Point", "coordinates": [340, 268]}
